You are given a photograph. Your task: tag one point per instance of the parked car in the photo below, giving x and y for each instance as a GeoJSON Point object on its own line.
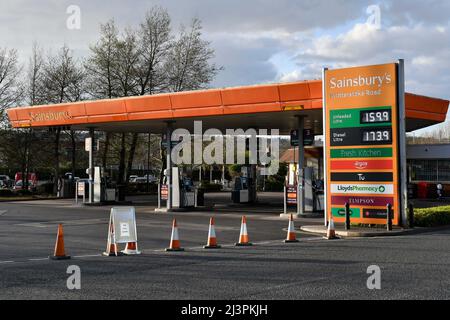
{"type": "Point", "coordinates": [151, 178]}
{"type": "Point", "coordinates": [32, 181]}
{"type": "Point", "coordinates": [132, 178]}
{"type": "Point", "coordinates": [6, 180]}
{"type": "Point", "coordinates": [19, 185]}
{"type": "Point", "coordinates": [141, 180]}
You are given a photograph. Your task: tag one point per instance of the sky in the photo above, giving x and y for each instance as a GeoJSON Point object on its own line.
{"type": "Point", "coordinates": [263, 41]}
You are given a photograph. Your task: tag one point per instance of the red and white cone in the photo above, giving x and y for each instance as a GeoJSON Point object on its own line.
{"type": "Point", "coordinates": [243, 237]}
{"type": "Point", "coordinates": [174, 239]}
{"type": "Point", "coordinates": [131, 249]}
{"type": "Point", "coordinates": [291, 236]}
{"type": "Point", "coordinates": [111, 246]}
{"type": "Point", "coordinates": [331, 231]}
{"type": "Point", "coordinates": [212, 239]}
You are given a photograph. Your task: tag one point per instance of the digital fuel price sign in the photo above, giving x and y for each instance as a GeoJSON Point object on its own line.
{"type": "Point", "coordinates": [362, 142]}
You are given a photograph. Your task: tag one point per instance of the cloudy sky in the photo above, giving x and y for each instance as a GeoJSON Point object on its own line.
{"type": "Point", "coordinates": [259, 41]}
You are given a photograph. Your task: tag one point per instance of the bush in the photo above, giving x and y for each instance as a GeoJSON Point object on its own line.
{"type": "Point", "coordinates": [23, 192]}
{"type": "Point", "coordinates": [6, 193]}
{"type": "Point", "coordinates": [432, 217]}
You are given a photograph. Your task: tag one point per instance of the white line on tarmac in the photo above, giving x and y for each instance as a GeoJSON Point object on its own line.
{"type": "Point", "coordinates": [2, 212]}
{"type": "Point", "coordinates": [228, 245]}
{"type": "Point", "coordinates": [88, 256]}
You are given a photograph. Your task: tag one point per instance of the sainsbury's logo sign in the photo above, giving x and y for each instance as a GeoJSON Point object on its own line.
{"type": "Point", "coordinates": [361, 81]}
{"type": "Point", "coordinates": [50, 116]}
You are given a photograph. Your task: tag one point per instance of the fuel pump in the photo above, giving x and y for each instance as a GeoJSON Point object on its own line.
{"type": "Point", "coordinates": [103, 191]}
{"type": "Point", "coordinates": [244, 190]}
{"type": "Point", "coordinates": [312, 189]}
{"type": "Point", "coordinates": [183, 190]}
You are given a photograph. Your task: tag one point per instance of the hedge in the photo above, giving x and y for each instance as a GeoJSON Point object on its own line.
{"type": "Point", "coordinates": [432, 217]}
{"type": "Point", "coordinates": [6, 193]}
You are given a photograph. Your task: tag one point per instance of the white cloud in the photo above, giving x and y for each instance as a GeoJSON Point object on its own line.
{"type": "Point", "coordinates": [424, 61]}
{"type": "Point", "coordinates": [291, 76]}
{"type": "Point", "coordinates": [261, 41]}
{"type": "Point", "coordinates": [426, 51]}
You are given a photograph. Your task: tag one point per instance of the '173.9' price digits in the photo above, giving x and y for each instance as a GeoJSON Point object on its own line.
{"type": "Point", "coordinates": [377, 136]}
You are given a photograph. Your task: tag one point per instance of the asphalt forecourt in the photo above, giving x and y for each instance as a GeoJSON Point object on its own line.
{"type": "Point", "coordinates": [411, 267]}
{"type": "Point", "coordinates": [28, 230]}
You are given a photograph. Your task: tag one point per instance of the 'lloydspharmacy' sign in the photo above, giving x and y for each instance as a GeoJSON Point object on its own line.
{"type": "Point", "coordinates": [363, 136]}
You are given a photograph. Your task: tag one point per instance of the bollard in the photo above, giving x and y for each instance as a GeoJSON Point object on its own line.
{"type": "Point", "coordinates": [389, 217]}
{"type": "Point", "coordinates": [347, 216]}
{"type": "Point", "coordinates": [411, 215]}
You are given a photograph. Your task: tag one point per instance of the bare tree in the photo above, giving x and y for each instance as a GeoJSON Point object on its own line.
{"type": "Point", "coordinates": [33, 96]}
{"type": "Point", "coordinates": [127, 56]}
{"type": "Point", "coordinates": [145, 61]}
{"type": "Point", "coordinates": [34, 76]}
{"type": "Point", "coordinates": [154, 43]}
{"type": "Point", "coordinates": [189, 64]}
{"type": "Point", "coordinates": [102, 83]}
{"type": "Point", "coordinates": [62, 81]}
{"type": "Point", "coordinates": [11, 90]}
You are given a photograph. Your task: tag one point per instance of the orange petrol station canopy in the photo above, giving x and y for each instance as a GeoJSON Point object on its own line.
{"type": "Point", "coordinates": [272, 106]}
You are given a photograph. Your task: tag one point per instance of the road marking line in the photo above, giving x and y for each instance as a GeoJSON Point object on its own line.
{"type": "Point", "coordinates": [3, 212]}
{"type": "Point", "coordinates": [88, 256]}
{"type": "Point", "coordinates": [199, 248]}
{"type": "Point", "coordinates": [79, 222]}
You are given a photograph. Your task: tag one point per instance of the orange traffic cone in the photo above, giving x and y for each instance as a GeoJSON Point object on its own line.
{"type": "Point", "coordinates": [212, 240]}
{"type": "Point", "coordinates": [331, 231]}
{"type": "Point", "coordinates": [291, 236]}
{"type": "Point", "coordinates": [131, 249]}
{"type": "Point", "coordinates": [60, 253]}
{"type": "Point", "coordinates": [174, 239]}
{"type": "Point", "coordinates": [111, 246]}
{"type": "Point", "coordinates": [243, 238]}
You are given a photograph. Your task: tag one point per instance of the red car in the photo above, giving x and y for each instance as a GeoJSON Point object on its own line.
{"type": "Point", "coordinates": [18, 181]}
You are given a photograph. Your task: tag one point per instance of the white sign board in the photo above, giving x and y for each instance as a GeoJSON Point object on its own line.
{"type": "Point", "coordinates": [87, 144]}
{"type": "Point", "coordinates": [123, 220]}
{"type": "Point", "coordinates": [80, 186]}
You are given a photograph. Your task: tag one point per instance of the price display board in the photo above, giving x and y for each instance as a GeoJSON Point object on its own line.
{"type": "Point", "coordinates": [362, 143]}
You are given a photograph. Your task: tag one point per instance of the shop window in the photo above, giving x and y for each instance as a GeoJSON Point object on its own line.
{"type": "Point", "coordinates": [444, 170]}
